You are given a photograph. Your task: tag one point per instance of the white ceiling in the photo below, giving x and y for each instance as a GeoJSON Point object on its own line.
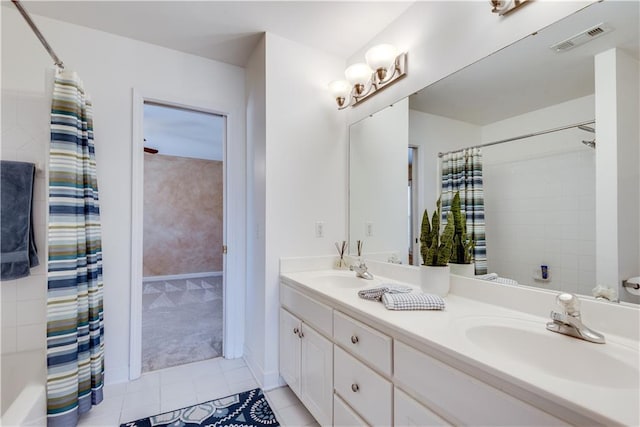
{"type": "Point", "coordinates": [228, 31]}
{"type": "Point", "coordinates": [527, 75]}
{"type": "Point", "coordinates": [183, 133]}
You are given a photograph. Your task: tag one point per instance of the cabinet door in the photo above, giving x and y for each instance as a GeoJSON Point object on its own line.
{"type": "Point", "coordinates": [344, 416]}
{"type": "Point", "coordinates": [316, 375]}
{"type": "Point", "coordinates": [408, 412]}
{"type": "Point", "coordinates": [290, 350]}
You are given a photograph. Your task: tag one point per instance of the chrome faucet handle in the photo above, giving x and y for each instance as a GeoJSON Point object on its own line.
{"type": "Point", "coordinates": [361, 270]}
{"type": "Point", "coordinates": [569, 322]}
{"type": "Point", "coordinates": [569, 303]}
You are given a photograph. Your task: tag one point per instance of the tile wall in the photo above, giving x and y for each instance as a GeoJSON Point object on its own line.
{"type": "Point", "coordinates": [25, 137]}
{"type": "Point", "coordinates": [542, 211]}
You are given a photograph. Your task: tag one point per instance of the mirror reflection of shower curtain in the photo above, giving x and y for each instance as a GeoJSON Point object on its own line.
{"type": "Point", "coordinates": [462, 171]}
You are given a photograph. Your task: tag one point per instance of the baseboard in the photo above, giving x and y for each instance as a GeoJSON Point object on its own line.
{"type": "Point", "coordinates": [275, 382]}
{"type": "Point", "coordinates": [182, 276]}
{"type": "Point", "coordinates": [116, 375]}
{"type": "Point", "coordinates": [266, 380]}
{"type": "Point", "coordinates": [254, 366]}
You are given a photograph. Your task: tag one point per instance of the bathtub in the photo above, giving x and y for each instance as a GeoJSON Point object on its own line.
{"type": "Point", "coordinates": [23, 395]}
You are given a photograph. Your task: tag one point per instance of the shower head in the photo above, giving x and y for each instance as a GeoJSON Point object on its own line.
{"type": "Point", "coordinates": [590, 144]}
{"type": "Point", "coordinates": [587, 128]}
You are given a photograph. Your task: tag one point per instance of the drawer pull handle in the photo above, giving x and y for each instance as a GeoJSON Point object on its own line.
{"type": "Point", "coordinates": [355, 388]}
{"type": "Point", "coordinates": [354, 339]}
{"type": "Point", "coordinates": [300, 335]}
{"type": "Point", "coordinates": [296, 331]}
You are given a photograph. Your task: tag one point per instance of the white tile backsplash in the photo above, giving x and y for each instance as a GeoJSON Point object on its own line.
{"type": "Point", "coordinates": [31, 288]}
{"type": "Point", "coordinates": [542, 211]}
{"type": "Point", "coordinates": [9, 343]}
{"type": "Point", "coordinates": [31, 312]}
{"type": "Point", "coordinates": [25, 138]}
{"type": "Point", "coordinates": [30, 337]}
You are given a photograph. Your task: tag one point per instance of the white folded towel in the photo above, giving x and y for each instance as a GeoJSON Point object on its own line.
{"type": "Point", "coordinates": [375, 294]}
{"type": "Point", "coordinates": [412, 302]}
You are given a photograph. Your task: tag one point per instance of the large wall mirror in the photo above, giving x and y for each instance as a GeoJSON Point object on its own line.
{"type": "Point", "coordinates": [554, 133]}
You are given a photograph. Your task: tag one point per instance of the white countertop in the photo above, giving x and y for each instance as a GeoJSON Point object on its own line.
{"type": "Point", "coordinates": [608, 399]}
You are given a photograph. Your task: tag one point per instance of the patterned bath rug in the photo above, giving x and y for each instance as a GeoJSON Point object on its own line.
{"type": "Point", "coordinates": [246, 409]}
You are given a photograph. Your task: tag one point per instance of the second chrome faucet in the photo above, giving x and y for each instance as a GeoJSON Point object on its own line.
{"type": "Point", "coordinates": [569, 321]}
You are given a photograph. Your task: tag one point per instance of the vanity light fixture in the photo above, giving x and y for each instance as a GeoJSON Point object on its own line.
{"type": "Point", "coordinates": [502, 7]}
{"type": "Point", "coordinates": [384, 67]}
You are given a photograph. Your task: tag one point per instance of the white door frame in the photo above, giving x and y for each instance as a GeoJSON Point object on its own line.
{"type": "Point", "coordinates": [232, 296]}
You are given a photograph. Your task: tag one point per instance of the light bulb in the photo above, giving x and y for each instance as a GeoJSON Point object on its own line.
{"type": "Point", "coordinates": [358, 73]}
{"type": "Point", "coordinates": [381, 58]}
{"type": "Point", "coordinates": [340, 90]}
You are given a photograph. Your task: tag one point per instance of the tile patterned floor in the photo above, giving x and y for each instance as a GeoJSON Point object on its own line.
{"type": "Point", "coordinates": [181, 321]}
{"type": "Point", "coordinates": [177, 387]}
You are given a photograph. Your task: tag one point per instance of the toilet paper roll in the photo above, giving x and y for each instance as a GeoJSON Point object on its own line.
{"type": "Point", "coordinates": [631, 284]}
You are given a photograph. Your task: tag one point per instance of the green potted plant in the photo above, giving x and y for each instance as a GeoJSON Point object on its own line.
{"type": "Point", "coordinates": [462, 255]}
{"type": "Point", "coordinates": [436, 247]}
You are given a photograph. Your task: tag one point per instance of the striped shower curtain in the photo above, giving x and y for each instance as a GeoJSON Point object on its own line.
{"type": "Point", "coordinates": [462, 171]}
{"type": "Point", "coordinates": [75, 345]}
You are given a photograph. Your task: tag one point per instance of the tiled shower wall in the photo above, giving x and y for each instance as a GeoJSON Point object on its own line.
{"type": "Point", "coordinates": [25, 138]}
{"type": "Point", "coordinates": [542, 211]}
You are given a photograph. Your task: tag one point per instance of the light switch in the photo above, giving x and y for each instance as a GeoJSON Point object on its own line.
{"type": "Point", "coordinates": [368, 229]}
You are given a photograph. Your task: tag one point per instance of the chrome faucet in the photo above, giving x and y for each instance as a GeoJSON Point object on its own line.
{"type": "Point", "coordinates": [361, 270]}
{"type": "Point", "coordinates": [569, 322]}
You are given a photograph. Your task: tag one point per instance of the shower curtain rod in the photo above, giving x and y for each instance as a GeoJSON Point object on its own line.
{"type": "Point", "coordinates": [56, 61]}
{"type": "Point", "coordinates": [515, 138]}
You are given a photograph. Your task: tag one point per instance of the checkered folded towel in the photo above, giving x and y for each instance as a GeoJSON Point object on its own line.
{"type": "Point", "coordinates": [493, 277]}
{"type": "Point", "coordinates": [490, 276]}
{"type": "Point", "coordinates": [412, 302]}
{"type": "Point", "coordinates": [506, 281]}
{"type": "Point", "coordinates": [375, 294]}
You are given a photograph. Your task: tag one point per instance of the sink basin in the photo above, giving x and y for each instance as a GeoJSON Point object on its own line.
{"type": "Point", "coordinates": [529, 343]}
{"type": "Point", "coordinates": [340, 280]}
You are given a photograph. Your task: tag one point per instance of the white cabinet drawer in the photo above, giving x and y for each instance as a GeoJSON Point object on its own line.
{"type": "Point", "coordinates": [343, 416]}
{"type": "Point", "coordinates": [363, 341]}
{"type": "Point", "coordinates": [364, 390]}
{"type": "Point", "coordinates": [408, 412]}
{"type": "Point", "coordinates": [460, 398]}
{"type": "Point", "coordinates": [312, 312]}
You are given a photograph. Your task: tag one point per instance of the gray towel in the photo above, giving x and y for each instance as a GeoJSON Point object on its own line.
{"type": "Point", "coordinates": [412, 302]}
{"type": "Point", "coordinates": [18, 252]}
{"type": "Point", "coordinates": [375, 294]}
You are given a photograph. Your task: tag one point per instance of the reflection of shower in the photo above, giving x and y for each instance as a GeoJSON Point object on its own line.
{"type": "Point", "coordinates": [590, 144]}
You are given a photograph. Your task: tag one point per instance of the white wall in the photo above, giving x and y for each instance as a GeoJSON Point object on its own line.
{"type": "Point", "coordinates": [618, 176]}
{"type": "Point", "coordinates": [378, 179]}
{"type": "Point", "coordinates": [256, 187]}
{"type": "Point", "coordinates": [111, 66]}
{"type": "Point", "coordinates": [305, 178]}
{"type": "Point", "coordinates": [432, 135]}
{"type": "Point", "coordinates": [442, 37]}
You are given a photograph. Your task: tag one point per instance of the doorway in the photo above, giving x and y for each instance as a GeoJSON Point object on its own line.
{"type": "Point", "coordinates": [414, 218]}
{"type": "Point", "coordinates": [183, 234]}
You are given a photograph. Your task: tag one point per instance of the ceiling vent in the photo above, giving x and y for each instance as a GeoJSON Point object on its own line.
{"type": "Point", "coordinates": [581, 38]}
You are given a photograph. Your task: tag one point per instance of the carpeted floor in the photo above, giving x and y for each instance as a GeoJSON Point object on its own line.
{"type": "Point", "coordinates": [181, 321]}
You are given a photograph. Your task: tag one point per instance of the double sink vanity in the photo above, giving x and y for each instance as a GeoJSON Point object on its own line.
{"type": "Point", "coordinates": [487, 359]}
